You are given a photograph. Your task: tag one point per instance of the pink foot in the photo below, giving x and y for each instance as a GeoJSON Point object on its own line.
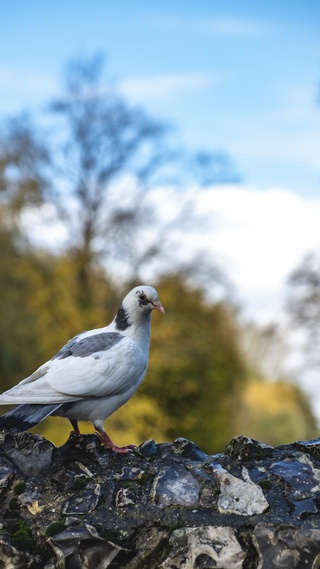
{"type": "Point", "coordinates": [105, 439]}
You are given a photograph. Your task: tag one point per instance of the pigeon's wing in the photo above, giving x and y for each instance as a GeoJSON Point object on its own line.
{"type": "Point", "coordinates": [94, 366]}
{"type": "Point", "coordinates": [35, 389]}
{"type": "Point", "coordinates": [106, 372]}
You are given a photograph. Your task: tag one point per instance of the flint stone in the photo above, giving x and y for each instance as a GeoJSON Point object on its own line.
{"type": "Point", "coordinates": [125, 497]}
{"type": "Point", "coordinates": [148, 449]}
{"type": "Point", "coordinates": [5, 476]}
{"type": "Point", "coordinates": [150, 545]}
{"type": "Point", "coordinates": [204, 547]}
{"type": "Point", "coordinates": [300, 474]}
{"type": "Point", "coordinates": [239, 497]}
{"type": "Point", "coordinates": [311, 447]}
{"type": "Point", "coordinates": [84, 502]}
{"type": "Point", "coordinates": [287, 548]}
{"type": "Point", "coordinates": [176, 486]}
{"type": "Point", "coordinates": [31, 454]}
{"type": "Point", "coordinates": [129, 473]}
{"type": "Point", "coordinates": [304, 507]}
{"type": "Point", "coordinates": [77, 548]}
{"type": "Point", "coordinates": [11, 558]}
{"type": "Point", "coordinates": [243, 448]}
{"type": "Point", "coordinates": [189, 450]}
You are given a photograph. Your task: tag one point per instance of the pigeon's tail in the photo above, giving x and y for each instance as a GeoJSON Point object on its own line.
{"type": "Point", "coordinates": [23, 417]}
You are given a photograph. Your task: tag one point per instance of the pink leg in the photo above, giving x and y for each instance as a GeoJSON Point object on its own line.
{"type": "Point", "coordinates": [105, 439]}
{"type": "Point", "coordinates": [75, 428]}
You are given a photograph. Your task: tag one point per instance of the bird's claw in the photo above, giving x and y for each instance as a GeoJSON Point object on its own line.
{"type": "Point", "coordinates": [105, 439]}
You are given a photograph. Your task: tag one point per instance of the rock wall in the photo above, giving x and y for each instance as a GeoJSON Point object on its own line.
{"type": "Point", "coordinates": [163, 506]}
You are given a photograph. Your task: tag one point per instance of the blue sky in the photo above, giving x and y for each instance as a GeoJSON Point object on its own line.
{"type": "Point", "coordinates": [238, 76]}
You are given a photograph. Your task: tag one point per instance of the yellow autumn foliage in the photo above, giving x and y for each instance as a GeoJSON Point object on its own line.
{"type": "Point", "coordinates": [275, 412]}
{"type": "Point", "coordinates": [197, 384]}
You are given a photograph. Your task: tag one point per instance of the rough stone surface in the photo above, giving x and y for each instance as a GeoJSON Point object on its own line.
{"type": "Point", "coordinates": [162, 506]}
{"type": "Point", "coordinates": [204, 547]}
{"type": "Point", "coordinates": [239, 497]}
{"type": "Point", "coordinates": [176, 486]}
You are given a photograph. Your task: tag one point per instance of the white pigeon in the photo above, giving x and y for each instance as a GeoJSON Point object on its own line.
{"type": "Point", "coordinates": [93, 375]}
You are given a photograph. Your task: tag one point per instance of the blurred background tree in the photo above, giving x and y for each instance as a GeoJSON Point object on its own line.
{"type": "Point", "coordinates": [303, 304]}
{"type": "Point", "coordinates": [93, 168]}
{"type": "Point", "coordinates": [272, 407]}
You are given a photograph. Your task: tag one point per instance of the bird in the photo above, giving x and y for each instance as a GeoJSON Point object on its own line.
{"type": "Point", "coordinates": [92, 375]}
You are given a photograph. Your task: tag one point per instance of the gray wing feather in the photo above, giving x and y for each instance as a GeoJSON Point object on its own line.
{"type": "Point", "coordinates": [23, 417]}
{"type": "Point", "coordinates": [88, 345]}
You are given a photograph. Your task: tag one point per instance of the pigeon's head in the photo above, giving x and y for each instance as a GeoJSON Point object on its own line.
{"type": "Point", "coordinates": [142, 299]}
{"type": "Point", "coordinates": [138, 303]}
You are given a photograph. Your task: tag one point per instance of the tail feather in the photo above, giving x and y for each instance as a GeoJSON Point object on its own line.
{"type": "Point", "coordinates": [24, 416]}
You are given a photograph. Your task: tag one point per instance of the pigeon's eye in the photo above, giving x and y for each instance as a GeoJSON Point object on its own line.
{"type": "Point", "coordinates": [142, 297]}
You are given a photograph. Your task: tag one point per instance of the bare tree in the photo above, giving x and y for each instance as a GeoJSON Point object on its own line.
{"type": "Point", "coordinates": [97, 165]}
{"type": "Point", "coordinates": [105, 143]}
{"type": "Point", "coordinates": [303, 303]}
{"type": "Point", "coordinates": [265, 350]}
{"type": "Point", "coordinates": [24, 158]}
{"type": "Point", "coordinates": [107, 160]}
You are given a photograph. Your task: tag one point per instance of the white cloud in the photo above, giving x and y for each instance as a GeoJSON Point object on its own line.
{"type": "Point", "coordinates": [235, 27]}
{"type": "Point", "coordinates": [36, 87]}
{"type": "Point", "coordinates": [297, 103]}
{"type": "Point", "coordinates": [281, 148]}
{"type": "Point", "coordinates": [164, 86]}
{"type": "Point", "coordinates": [294, 111]}
{"type": "Point", "coordinates": [258, 236]}
{"type": "Point", "coordinates": [44, 227]}
{"type": "Point", "coordinates": [226, 26]}
{"type": "Point", "coordinates": [265, 232]}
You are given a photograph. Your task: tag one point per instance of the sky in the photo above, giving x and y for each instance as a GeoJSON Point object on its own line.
{"type": "Point", "coordinates": [241, 77]}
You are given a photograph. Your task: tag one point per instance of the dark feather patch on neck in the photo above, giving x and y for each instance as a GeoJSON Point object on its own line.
{"type": "Point", "coordinates": [122, 319]}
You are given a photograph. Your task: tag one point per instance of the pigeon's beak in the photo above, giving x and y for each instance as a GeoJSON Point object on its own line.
{"type": "Point", "coordinates": [157, 304]}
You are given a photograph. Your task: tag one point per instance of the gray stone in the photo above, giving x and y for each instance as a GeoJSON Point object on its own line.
{"type": "Point", "coordinates": [129, 473]}
{"type": "Point", "coordinates": [239, 496]}
{"type": "Point", "coordinates": [243, 448]}
{"type": "Point", "coordinates": [304, 507]}
{"type": "Point", "coordinates": [189, 449]}
{"type": "Point", "coordinates": [84, 502]}
{"type": "Point", "coordinates": [148, 449]}
{"type": "Point", "coordinates": [125, 497]}
{"type": "Point", "coordinates": [151, 546]}
{"type": "Point", "coordinates": [11, 558]}
{"type": "Point", "coordinates": [299, 474]}
{"type": "Point", "coordinates": [5, 476]}
{"type": "Point", "coordinates": [287, 548]}
{"type": "Point", "coordinates": [32, 454]}
{"type": "Point", "coordinates": [312, 447]}
{"type": "Point", "coordinates": [204, 547]}
{"type": "Point", "coordinates": [176, 486]}
{"type": "Point", "coordinates": [82, 547]}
